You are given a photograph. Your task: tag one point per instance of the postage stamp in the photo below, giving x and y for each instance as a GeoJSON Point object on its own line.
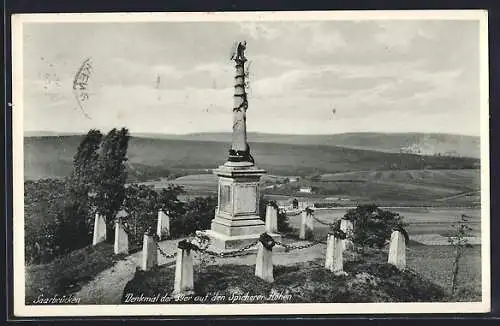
{"type": "Point", "coordinates": [251, 163]}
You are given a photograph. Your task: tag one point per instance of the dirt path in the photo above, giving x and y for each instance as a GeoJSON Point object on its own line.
{"type": "Point", "coordinates": [107, 287]}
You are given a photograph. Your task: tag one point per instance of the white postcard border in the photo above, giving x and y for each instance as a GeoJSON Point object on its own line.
{"type": "Point", "coordinates": [22, 310]}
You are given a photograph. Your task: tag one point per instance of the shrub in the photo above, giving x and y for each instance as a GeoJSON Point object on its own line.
{"type": "Point", "coordinates": [459, 242]}
{"type": "Point", "coordinates": [141, 204]}
{"type": "Point", "coordinates": [283, 222]}
{"type": "Point", "coordinates": [43, 203]}
{"type": "Point", "coordinates": [372, 225]}
{"type": "Point", "coordinates": [198, 215]}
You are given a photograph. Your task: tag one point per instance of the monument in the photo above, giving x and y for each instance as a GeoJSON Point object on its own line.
{"type": "Point", "coordinates": [237, 222]}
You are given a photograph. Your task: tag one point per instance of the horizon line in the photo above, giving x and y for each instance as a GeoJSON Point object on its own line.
{"type": "Point", "coordinates": [255, 132]}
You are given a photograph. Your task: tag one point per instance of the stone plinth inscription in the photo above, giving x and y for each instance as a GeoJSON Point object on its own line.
{"type": "Point", "coordinates": [245, 199]}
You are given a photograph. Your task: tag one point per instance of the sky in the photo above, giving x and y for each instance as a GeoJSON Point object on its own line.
{"type": "Point", "coordinates": [306, 77]}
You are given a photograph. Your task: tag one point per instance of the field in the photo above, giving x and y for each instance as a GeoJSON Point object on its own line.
{"type": "Point", "coordinates": [434, 263]}
{"type": "Point", "coordinates": [194, 185]}
{"type": "Point", "coordinates": [410, 187]}
{"type": "Point", "coordinates": [436, 187]}
{"type": "Point", "coordinates": [421, 220]}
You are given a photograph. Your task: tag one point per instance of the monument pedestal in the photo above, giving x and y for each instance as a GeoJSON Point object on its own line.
{"type": "Point", "coordinates": [237, 222]}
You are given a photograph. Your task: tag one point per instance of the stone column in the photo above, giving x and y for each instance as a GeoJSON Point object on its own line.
{"type": "Point", "coordinates": [184, 283]}
{"type": "Point", "coordinates": [163, 225]}
{"type": "Point", "coordinates": [99, 229]}
{"type": "Point", "coordinates": [271, 219]}
{"type": "Point", "coordinates": [264, 263]}
{"type": "Point", "coordinates": [121, 239]}
{"type": "Point", "coordinates": [334, 261]}
{"type": "Point", "coordinates": [348, 228]}
{"type": "Point", "coordinates": [240, 107]}
{"type": "Point", "coordinates": [149, 252]}
{"type": "Point", "coordinates": [306, 226]}
{"type": "Point", "coordinates": [397, 250]}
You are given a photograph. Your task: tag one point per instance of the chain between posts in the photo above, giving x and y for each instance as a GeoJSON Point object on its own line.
{"type": "Point", "coordinates": [293, 214]}
{"type": "Point", "coordinates": [323, 222]}
{"type": "Point", "coordinates": [163, 253]}
{"type": "Point", "coordinates": [234, 253]}
{"type": "Point", "coordinates": [238, 252]}
{"type": "Point", "coordinates": [303, 246]}
{"type": "Point", "coordinates": [157, 244]}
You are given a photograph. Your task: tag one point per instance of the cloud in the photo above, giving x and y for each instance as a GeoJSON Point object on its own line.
{"type": "Point", "coordinates": [259, 31]}
{"type": "Point", "coordinates": [373, 72]}
{"type": "Point", "coordinates": [325, 43]}
{"type": "Point", "coordinates": [400, 36]}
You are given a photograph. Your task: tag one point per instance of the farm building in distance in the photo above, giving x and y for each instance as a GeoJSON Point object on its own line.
{"type": "Point", "coordinates": [306, 190]}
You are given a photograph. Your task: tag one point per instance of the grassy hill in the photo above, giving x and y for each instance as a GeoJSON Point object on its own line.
{"type": "Point", "coordinates": [51, 156]}
{"type": "Point", "coordinates": [418, 143]}
{"type": "Point", "coordinates": [67, 274]}
{"type": "Point", "coordinates": [369, 279]}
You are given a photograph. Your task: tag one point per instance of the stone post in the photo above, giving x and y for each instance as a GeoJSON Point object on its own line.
{"type": "Point", "coordinates": [306, 226]}
{"type": "Point", "coordinates": [184, 283]}
{"type": "Point", "coordinates": [271, 219]}
{"type": "Point", "coordinates": [264, 262]}
{"type": "Point", "coordinates": [99, 229]}
{"type": "Point", "coordinates": [334, 261]}
{"type": "Point", "coordinates": [149, 252]}
{"type": "Point", "coordinates": [397, 250]}
{"type": "Point", "coordinates": [121, 239]}
{"type": "Point", "coordinates": [348, 228]}
{"type": "Point", "coordinates": [163, 225]}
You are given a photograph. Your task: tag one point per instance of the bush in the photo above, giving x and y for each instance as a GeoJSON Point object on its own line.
{"type": "Point", "coordinates": [43, 202]}
{"type": "Point", "coordinates": [198, 215]}
{"type": "Point", "coordinates": [372, 225]}
{"type": "Point", "coordinates": [143, 203]}
{"type": "Point", "coordinates": [283, 222]}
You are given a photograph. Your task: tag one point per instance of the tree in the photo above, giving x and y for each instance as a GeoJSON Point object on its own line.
{"type": "Point", "coordinates": [459, 242]}
{"type": "Point", "coordinates": [372, 225]}
{"type": "Point", "coordinates": [85, 162]}
{"type": "Point", "coordinates": [112, 175]}
{"type": "Point", "coordinates": [74, 224]}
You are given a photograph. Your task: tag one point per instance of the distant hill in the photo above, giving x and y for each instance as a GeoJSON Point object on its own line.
{"type": "Point", "coordinates": [45, 133]}
{"type": "Point", "coordinates": [416, 143]}
{"type": "Point", "coordinates": [52, 156]}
